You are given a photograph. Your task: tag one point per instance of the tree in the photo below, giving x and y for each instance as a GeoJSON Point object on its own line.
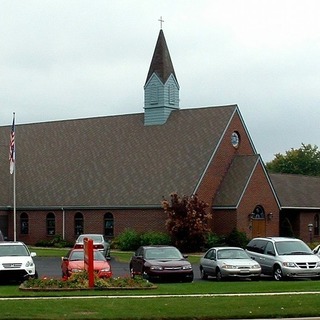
{"type": "Point", "coordinates": [187, 221]}
{"type": "Point", "coordinates": [305, 160]}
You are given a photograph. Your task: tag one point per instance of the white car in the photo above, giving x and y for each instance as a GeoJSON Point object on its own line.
{"type": "Point", "coordinates": [316, 250]}
{"type": "Point", "coordinates": [224, 262]}
{"type": "Point", "coordinates": [99, 243]}
{"type": "Point", "coordinates": [16, 261]}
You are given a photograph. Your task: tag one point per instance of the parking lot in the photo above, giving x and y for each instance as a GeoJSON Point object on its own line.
{"type": "Point", "coordinates": [50, 267]}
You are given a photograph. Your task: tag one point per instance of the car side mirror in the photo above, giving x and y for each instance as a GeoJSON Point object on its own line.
{"type": "Point", "coordinates": [33, 254]}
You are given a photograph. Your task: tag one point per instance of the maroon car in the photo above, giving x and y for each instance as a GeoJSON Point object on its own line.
{"type": "Point", "coordinates": [161, 263]}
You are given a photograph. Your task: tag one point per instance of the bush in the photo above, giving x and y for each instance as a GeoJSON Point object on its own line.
{"type": "Point", "coordinates": [237, 239]}
{"type": "Point", "coordinates": [57, 242]}
{"type": "Point", "coordinates": [213, 240]}
{"type": "Point", "coordinates": [129, 240]}
{"type": "Point", "coordinates": [155, 238]}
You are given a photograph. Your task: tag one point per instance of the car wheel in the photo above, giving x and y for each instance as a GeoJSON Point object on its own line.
{"type": "Point", "coordinates": [204, 276]}
{"type": "Point", "coordinates": [219, 276]}
{"type": "Point", "coordinates": [277, 273]}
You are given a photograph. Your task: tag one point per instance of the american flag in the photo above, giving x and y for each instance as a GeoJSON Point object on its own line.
{"type": "Point", "coordinates": [12, 151]}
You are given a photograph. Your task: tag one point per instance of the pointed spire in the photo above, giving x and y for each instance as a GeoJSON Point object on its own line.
{"type": "Point", "coordinates": [161, 63]}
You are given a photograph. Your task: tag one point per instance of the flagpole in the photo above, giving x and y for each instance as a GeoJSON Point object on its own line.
{"type": "Point", "coordinates": [12, 158]}
{"type": "Point", "coordinates": [14, 205]}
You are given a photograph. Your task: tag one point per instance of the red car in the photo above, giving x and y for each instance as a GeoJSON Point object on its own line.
{"type": "Point", "coordinates": [74, 262]}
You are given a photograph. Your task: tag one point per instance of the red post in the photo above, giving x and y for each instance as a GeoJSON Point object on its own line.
{"type": "Point", "coordinates": [88, 260]}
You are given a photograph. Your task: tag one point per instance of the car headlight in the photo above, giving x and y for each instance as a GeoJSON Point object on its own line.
{"type": "Point", "coordinates": [289, 264]}
{"type": "Point", "coordinates": [255, 266]}
{"type": "Point", "coordinates": [156, 268]}
{"type": "Point", "coordinates": [318, 265]}
{"type": "Point", "coordinates": [29, 264]}
{"type": "Point", "coordinates": [187, 267]}
{"type": "Point", "coordinates": [105, 269]}
{"type": "Point", "coordinates": [229, 266]}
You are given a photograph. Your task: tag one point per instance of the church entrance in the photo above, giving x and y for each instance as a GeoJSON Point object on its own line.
{"type": "Point", "coordinates": [258, 222]}
{"type": "Point", "coordinates": [258, 228]}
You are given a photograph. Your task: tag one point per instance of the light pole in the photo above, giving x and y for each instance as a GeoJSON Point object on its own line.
{"type": "Point", "coordinates": [310, 228]}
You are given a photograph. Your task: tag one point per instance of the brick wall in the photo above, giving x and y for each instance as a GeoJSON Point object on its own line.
{"type": "Point", "coordinates": [139, 220]}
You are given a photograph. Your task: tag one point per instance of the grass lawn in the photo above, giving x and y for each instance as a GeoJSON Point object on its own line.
{"type": "Point", "coordinates": [248, 299]}
{"type": "Point", "coordinates": [169, 301]}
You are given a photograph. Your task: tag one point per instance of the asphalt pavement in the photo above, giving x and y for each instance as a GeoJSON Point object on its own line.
{"type": "Point", "coordinates": [51, 267]}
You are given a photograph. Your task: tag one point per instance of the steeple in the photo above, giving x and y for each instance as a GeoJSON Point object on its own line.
{"type": "Point", "coordinates": [161, 89]}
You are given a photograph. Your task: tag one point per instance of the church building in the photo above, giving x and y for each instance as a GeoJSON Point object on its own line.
{"type": "Point", "coordinates": [110, 173]}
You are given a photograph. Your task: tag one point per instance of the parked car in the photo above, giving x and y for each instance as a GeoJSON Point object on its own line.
{"type": "Point", "coordinates": [284, 257]}
{"type": "Point", "coordinates": [224, 262]}
{"type": "Point", "coordinates": [74, 262]}
{"type": "Point", "coordinates": [16, 261]}
{"type": "Point", "coordinates": [316, 250]}
{"type": "Point", "coordinates": [99, 243]}
{"type": "Point", "coordinates": [160, 263]}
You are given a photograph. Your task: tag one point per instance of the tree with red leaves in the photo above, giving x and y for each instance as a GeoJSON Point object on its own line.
{"type": "Point", "coordinates": [187, 221]}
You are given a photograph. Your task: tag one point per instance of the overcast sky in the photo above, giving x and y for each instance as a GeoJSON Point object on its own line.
{"type": "Point", "coordinates": [69, 59]}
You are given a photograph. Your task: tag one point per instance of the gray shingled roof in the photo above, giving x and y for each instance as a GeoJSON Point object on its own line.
{"type": "Point", "coordinates": [110, 161]}
{"type": "Point", "coordinates": [296, 191]}
{"type": "Point", "coordinates": [235, 181]}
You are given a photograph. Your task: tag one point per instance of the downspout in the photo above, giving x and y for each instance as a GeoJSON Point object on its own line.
{"type": "Point", "coordinates": [63, 223]}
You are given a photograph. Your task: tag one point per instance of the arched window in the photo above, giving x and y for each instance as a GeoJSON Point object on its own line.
{"type": "Point", "coordinates": [51, 224]}
{"type": "Point", "coordinates": [24, 223]}
{"type": "Point", "coordinates": [108, 225]}
{"type": "Point", "coordinates": [258, 213]}
{"type": "Point", "coordinates": [78, 223]}
{"type": "Point", "coordinates": [316, 224]}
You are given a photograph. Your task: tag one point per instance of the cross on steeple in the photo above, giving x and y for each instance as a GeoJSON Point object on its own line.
{"type": "Point", "coordinates": [161, 21]}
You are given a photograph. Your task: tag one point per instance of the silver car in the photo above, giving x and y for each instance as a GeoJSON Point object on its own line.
{"type": "Point", "coordinates": [223, 262]}
{"type": "Point", "coordinates": [284, 257]}
{"type": "Point", "coordinates": [99, 243]}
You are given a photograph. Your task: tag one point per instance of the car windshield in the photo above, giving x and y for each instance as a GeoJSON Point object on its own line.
{"type": "Point", "coordinates": [95, 238]}
{"type": "Point", "coordinates": [163, 253]}
{"type": "Point", "coordinates": [79, 256]}
{"type": "Point", "coordinates": [232, 254]}
{"type": "Point", "coordinates": [13, 250]}
{"type": "Point", "coordinates": [292, 248]}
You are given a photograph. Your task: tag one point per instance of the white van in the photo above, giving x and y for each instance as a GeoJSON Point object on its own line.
{"type": "Point", "coordinates": [284, 257]}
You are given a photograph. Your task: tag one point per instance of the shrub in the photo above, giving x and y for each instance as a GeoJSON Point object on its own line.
{"type": "Point", "coordinates": [213, 240]}
{"type": "Point", "coordinates": [237, 239]}
{"type": "Point", "coordinates": [155, 238]}
{"type": "Point", "coordinates": [129, 240]}
{"type": "Point", "coordinates": [57, 242]}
